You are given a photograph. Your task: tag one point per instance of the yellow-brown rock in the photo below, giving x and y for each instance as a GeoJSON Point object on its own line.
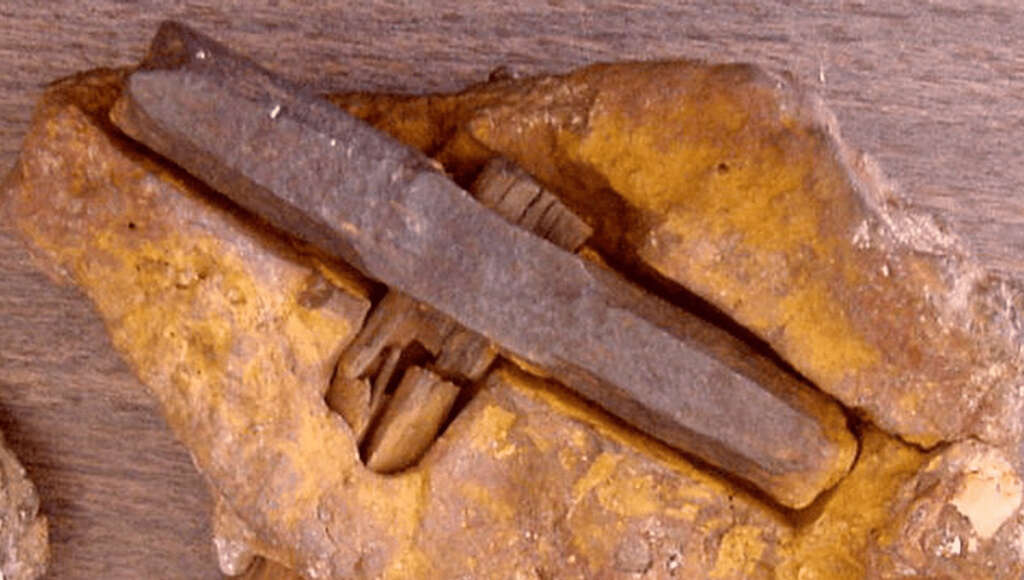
{"type": "Point", "coordinates": [214, 313]}
{"type": "Point", "coordinates": [206, 307]}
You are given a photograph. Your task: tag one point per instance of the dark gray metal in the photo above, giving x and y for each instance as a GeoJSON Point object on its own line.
{"type": "Point", "coordinates": [319, 174]}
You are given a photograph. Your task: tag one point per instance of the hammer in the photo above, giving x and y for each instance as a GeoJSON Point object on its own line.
{"type": "Point", "coordinates": [320, 175]}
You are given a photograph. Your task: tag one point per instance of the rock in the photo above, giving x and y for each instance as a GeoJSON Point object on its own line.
{"type": "Point", "coordinates": [24, 535]}
{"type": "Point", "coordinates": [211, 310]}
{"type": "Point", "coordinates": [227, 323]}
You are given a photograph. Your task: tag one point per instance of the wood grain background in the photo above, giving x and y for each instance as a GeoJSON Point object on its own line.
{"type": "Point", "coordinates": [933, 89]}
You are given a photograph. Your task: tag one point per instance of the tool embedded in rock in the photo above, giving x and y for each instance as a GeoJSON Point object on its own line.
{"type": "Point", "coordinates": [370, 363]}
{"type": "Point", "coordinates": [321, 175]}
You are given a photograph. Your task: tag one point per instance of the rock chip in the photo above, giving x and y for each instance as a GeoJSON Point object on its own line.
{"type": "Point", "coordinates": [24, 535]}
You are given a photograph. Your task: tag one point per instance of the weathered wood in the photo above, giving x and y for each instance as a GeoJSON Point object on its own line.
{"type": "Point", "coordinates": [398, 320]}
{"type": "Point", "coordinates": [514, 195]}
{"type": "Point", "coordinates": [411, 421]}
{"type": "Point", "coordinates": [465, 354]}
{"type": "Point", "coordinates": [393, 323]}
{"type": "Point", "coordinates": [932, 89]}
{"type": "Point", "coordinates": [352, 398]}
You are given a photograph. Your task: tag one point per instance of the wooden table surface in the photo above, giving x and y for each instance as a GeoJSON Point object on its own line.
{"type": "Point", "coordinates": [933, 89]}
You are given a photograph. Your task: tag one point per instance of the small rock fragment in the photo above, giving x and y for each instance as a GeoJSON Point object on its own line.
{"type": "Point", "coordinates": [989, 492]}
{"type": "Point", "coordinates": [24, 536]}
{"type": "Point", "coordinates": [633, 555]}
{"type": "Point", "coordinates": [232, 541]}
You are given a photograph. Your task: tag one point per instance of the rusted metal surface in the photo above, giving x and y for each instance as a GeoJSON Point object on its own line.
{"type": "Point", "coordinates": [317, 173]}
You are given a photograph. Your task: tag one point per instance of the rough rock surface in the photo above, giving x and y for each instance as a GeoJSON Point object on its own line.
{"type": "Point", "coordinates": [527, 481]}
{"type": "Point", "coordinates": [24, 543]}
{"type": "Point", "coordinates": [958, 517]}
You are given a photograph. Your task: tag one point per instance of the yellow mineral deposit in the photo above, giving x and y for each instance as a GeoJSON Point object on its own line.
{"type": "Point", "coordinates": [834, 536]}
